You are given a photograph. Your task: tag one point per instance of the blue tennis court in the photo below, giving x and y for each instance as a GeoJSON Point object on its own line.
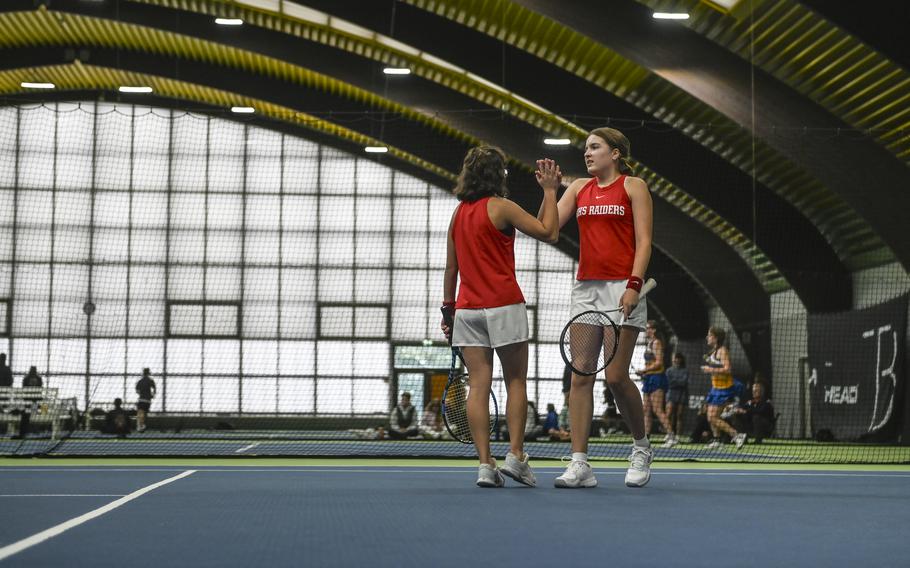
{"type": "Point", "coordinates": [418, 515]}
{"type": "Point", "coordinates": [244, 242]}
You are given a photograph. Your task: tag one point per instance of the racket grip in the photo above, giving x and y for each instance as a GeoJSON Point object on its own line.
{"type": "Point", "coordinates": [448, 318]}
{"type": "Point", "coordinates": [649, 285]}
{"type": "Point", "coordinates": [448, 314]}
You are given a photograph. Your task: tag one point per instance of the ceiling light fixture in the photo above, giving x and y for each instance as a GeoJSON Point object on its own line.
{"type": "Point", "coordinates": [396, 71]}
{"type": "Point", "coordinates": [670, 16]}
{"type": "Point", "coordinates": [376, 149]}
{"type": "Point", "coordinates": [243, 110]}
{"type": "Point", "coordinates": [128, 89]}
{"type": "Point", "coordinates": [28, 85]}
{"type": "Point", "coordinates": [557, 141]}
{"type": "Point", "coordinates": [229, 21]}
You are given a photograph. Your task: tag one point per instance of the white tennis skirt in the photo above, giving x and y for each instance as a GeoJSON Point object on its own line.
{"type": "Point", "coordinates": [603, 295]}
{"type": "Point", "coordinates": [490, 327]}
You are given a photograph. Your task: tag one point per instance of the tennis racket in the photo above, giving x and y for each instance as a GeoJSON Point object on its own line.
{"type": "Point", "coordinates": [589, 341]}
{"type": "Point", "coordinates": [709, 362]}
{"type": "Point", "coordinates": [455, 403]}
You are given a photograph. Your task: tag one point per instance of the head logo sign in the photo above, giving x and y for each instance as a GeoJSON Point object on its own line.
{"type": "Point", "coordinates": [857, 360]}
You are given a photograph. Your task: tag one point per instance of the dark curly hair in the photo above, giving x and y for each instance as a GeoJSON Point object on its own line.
{"type": "Point", "coordinates": [482, 175]}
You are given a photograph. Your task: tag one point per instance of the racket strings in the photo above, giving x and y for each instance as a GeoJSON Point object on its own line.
{"type": "Point", "coordinates": [456, 409]}
{"type": "Point", "coordinates": [455, 413]}
{"type": "Point", "coordinates": [589, 342]}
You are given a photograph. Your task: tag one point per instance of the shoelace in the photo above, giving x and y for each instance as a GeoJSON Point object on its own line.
{"type": "Point", "coordinates": [575, 465]}
{"type": "Point", "coordinates": [639, 458]}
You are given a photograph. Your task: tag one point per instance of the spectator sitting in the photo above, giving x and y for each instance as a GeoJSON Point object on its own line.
{"type": "Point", "coordinates": [403, 419]}
{"type": "Point", "coordinates": [533, 427]}
{"type": "Point", "coordinates": [613, 422]}
{"type": "Point", "coordinates": [117, 421]}
{"type": "Point", "coordinates": [31, 380]}
{"type": "Point", "coordinates": [431, 424]}
{"type": "Point", "coordinates": [551, 425]}
{"type": "Point", "coordinates": [564, 413]}
{"type": "Point", "coordinates": [701, 432]}
{"type": "Point", "coordinates": [756, 415]}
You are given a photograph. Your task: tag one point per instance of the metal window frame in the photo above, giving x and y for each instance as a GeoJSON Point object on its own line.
{"type": "Point", "coordinates": [203, 304]}
{"type": "Point", "coordinates": [8, 320]}
{"type": "Point", "coordinates": [320, 336]}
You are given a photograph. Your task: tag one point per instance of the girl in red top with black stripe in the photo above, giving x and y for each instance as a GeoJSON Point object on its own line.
{"type": "Point", "coordinates": [489, 313]}
{"type": "Point", "coordinates": [614, 214]}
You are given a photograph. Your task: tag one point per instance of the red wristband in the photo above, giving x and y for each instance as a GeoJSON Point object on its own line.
{"type": "Point", "coordinates": [448, 313]}
{"type": "Point", "coordinates": [635, 283]}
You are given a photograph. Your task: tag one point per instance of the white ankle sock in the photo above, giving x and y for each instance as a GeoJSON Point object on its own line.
{"type": "Point", "coordinates": [579, 457]}
{"type": "Point", "coordinates": [643, 443]}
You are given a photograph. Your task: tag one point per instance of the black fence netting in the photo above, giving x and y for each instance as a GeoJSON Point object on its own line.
{"type": "Point", "coordinates": [283, 294]}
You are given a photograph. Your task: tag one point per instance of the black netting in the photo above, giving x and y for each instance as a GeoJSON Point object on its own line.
{"type": "Point", "coordinates": [284, 293]}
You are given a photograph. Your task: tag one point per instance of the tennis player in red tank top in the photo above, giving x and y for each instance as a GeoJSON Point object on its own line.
{"type": "Point", "coordinates": [491, 311]}
{"type": "Point", "coordinates": [614, 213]}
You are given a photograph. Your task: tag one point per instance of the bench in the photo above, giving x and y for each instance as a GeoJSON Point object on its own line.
{"type": "Point", "coordinates": [43, 404]}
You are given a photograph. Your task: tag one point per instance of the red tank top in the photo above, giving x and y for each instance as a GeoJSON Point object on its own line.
{"type": "Point", "coordinates": [606, 231]}
{"type": "Point", "coordinates": [486, 259]}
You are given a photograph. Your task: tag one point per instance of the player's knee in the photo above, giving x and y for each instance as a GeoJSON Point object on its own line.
{"type": "Point", "coordinates": [582, 382]}
{"type": "Point", "coordinates": [517, 379]}
{"type": "Point", "coordinates": [617, 377]}
{"type": "Point", "coordinates": [479, 393]}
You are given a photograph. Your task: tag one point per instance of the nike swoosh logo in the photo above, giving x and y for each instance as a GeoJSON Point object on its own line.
{"type": "Point", "coordinates": [598, 196]}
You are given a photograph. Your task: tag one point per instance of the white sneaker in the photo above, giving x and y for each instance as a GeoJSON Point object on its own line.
{"type": "Point", "coordinates": [519, 469]}
{"type": "Point", "coordinates": [577, 474]}
{"type": "Point", "coordinates": [671, 441]}
{"type": "Point", "coordinates": [739, 440]}
{"type": "Point", "coordinates": [639, 472]}
{"type": "Point", "coordinates": [489, 476]}
{"type": "Point", "coordinates": [714, 444]}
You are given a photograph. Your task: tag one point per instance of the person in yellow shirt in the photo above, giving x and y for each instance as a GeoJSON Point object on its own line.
{"type": "Point", "coordinates": [717, 364]}
{"type": "Point", "coordinates": [654, 381]}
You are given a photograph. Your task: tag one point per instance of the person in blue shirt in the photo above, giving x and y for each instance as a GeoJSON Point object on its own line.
{"type": "Point", "coordinates": [677, 397]}
{"type": "Point", "coordinates": [551, 425]}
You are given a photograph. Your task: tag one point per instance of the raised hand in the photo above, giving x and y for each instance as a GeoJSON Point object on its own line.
{"type": "Point", "coordinates": [548, 174]}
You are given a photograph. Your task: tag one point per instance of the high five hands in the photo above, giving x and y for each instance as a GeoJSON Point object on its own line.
{"type": "Point", "coordinates": [548, 174]}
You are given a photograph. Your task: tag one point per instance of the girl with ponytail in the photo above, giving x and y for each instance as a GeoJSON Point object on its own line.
{"type": "Point", "coordinates": [613, 210]}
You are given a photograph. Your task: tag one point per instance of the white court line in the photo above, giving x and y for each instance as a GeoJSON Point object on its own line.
{"type": "Point", "coordinates": [377, 469]}
{"type": "Point", "coordinates": [63, 495]}
{"type": "Point", "coordinates": [40, 537]}
{"type": "Point", "coordinates": [543, 470]}
{"type": "Point", "coordinates": [245, 448]}
{"type": "Point", "coordinates": [65, 469]}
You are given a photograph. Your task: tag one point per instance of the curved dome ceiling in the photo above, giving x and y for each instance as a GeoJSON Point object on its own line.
{"type": "Point", "coordinates": [323, 48]}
